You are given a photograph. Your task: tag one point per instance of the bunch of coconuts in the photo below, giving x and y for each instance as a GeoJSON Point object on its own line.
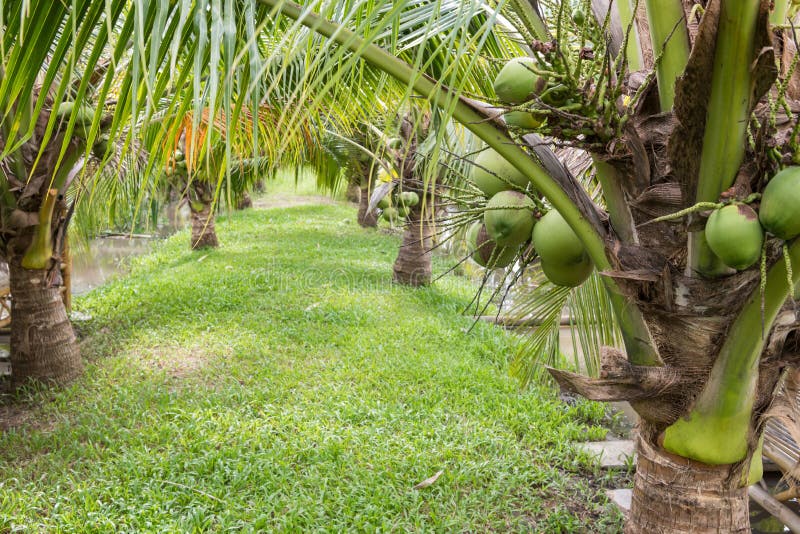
{"type": "Point", "coordinates": [512, 221]}
{"type": "Point", "coordinates": [735, 232]}
{"type": "Point", "coordinates": [84, 114]}
{"type": "Point", "coordinates": [176, 164]}
{"type": "Point", "coordinates": [397, 204]}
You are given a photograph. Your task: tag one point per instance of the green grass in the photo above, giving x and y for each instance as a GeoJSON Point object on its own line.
{"type": "Point", "coordinates": [282, 383]}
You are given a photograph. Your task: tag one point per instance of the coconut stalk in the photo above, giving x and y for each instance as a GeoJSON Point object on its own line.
{"type": "Point", "coordinates": [728, 113]}
{"type": "Point", "coordinates": [779, 12]}
{"type": "Point", "coordinates": [667, 23]}
{"type": "Point", "coordinates": [717, 429]}
{"type": "Point", "coordinates": [638, 341]}
{"type": "Point", "coordinates": [619, 211]}
{"type": "Point", "coordinates": [633, 52]}
{"type": "Point", "coordinates": [529, 14]}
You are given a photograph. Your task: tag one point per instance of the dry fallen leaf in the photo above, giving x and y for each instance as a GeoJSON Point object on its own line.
{"type": "Point", "coordinates": [428, 481]}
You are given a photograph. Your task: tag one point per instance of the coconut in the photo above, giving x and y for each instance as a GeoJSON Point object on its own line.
{"type": "Point", "coordinates": [517, 83]}
{"type": "Point", "coordinates": [471, 236]}
{"type": "Point", "coordinates": [408, 198]}
{"type": "Point", "coordinates": [492, 174]}
{"type": "Point", "coordinates": [524, 119]}
{"type": "Point", "coordinates": [385, 202]}
{"type": "Point", "coordinates": [100, 147]}
{"type": "Point", "coordinates": [485, 252]}
{"type": "Point", "coordinates": [563, 257]}
{"type": "Point", "coordinates": [178, 155]}
{"type": "Point", "coordinates": [403, 211]}
{"type": "Point", "coordinates": [567, 275]}
{"type": "Point", "coordinates": [780, 204]}
{"type": "Point", "coordinates": [735, 235]}
{"type": "Point", "coordinates": [390, 214]}
{"type": "Point", "coordinates": [509, 218]}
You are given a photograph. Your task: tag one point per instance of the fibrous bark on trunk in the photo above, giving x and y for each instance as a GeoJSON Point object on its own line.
{"type": "Point", "coordinates": [675, 495]}
{"type": "Point", "coordinates": [244, 202]}
{"type": "Point", "coordinates": [413, 264]}
{"type": "Point", "coordinates": [43, 345]}
{"type": "Point", "coordinates": [204, 234]}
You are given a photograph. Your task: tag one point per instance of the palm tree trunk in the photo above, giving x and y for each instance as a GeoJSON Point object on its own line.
{"type": "Point", "coordinates": [66, 275]}
{"type": "Point", "coordinates": [204, 234]}
{"type": "Point", "coordinates": [244, 202]}
{"type": "Point", "coordinates": [677, 495]}
{"type": "Point", "coordinates": [365, 218]}
{"type": "Point", "coordinates": [353, 193]}
{"type": "Point", "coordinates": [413, 264]}
{"type": "Point", "coordinates": [43, 345]}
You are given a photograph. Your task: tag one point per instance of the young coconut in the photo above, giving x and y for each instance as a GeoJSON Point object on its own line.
{"type": "Point", "coordinates": [385, 202]}
{"type": "Point", "coordinates": [563, 257]}
{"type": "Point", "coordinates": [390, 214]}
{"type": "Point", "coordinates": [403, 210]}
{"type": "Point", "coordinates": [524, 119]}
{"type": "Point", "coordinates": [517, 83]}
{"type": "Point", "coordinates": [735, 235]}
{"type": "Point", "coordinates": [492, 174]}
{"type": "Point", "coordinates": [509, 218]}
{"type": "Point", "coordinates": [408, 198]}
{"type": "Point", "coordinates": [485, 252]}
{"type": "Point", "coordinates": [780, 204]}
{"type": "Point", "coordinates": [100, 147]}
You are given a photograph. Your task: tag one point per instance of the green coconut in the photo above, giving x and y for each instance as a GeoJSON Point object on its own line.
{"type": "Point", "coordinates": [485, 252]}
{"type": "Point", "coordinates": [509, 218]}
{"type": "Point", "coordinates": [492, 174]}
{"type": "Point", "coordinates": [390, 214]}
{"type": "Point", "coordinates": [385, 202]}
{"type": "Point", "coordinates": [780, 204]}
{"type": "Point", "coordinates": [517, 83]}
{"type": "Point", "coordinates": [408, 198]}
{"type": "Point", "coordinates": [571, 275]}
{"type": "Point", "coordinates": [403, 211]}
{"type": "Point", "coordinates": [83, 117]}
{"type": "Point", "coordinates": [179, 155]}
{"type": "Point", "coordinates": [471, 236]}
{"type": "Point", "coordinates": [563, 257]}
{"type": "Point", "coordinates": [524, 119]}
{"type": "Point", "coordinates": [100, 147]}
{"type": "Point", "coordinates": [735, 235]}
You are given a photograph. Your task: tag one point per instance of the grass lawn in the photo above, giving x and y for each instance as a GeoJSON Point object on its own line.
{"type": "Point", "coordinates": [282, 383]}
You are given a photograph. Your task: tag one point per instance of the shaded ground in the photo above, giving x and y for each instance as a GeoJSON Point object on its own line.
{"type": "Point", "coordinates": [283, 383]}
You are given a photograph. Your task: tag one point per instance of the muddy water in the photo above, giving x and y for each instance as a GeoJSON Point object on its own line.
{"type": "Point", "coordinates": [108, 257]}
{"type": "Point", "coordinates": [105, 259]}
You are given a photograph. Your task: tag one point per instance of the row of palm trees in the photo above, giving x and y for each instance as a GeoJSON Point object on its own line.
{"type": "Point", "coordinates": [677, 103]}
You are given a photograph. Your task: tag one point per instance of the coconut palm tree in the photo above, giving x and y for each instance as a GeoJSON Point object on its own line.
{"type": "Point", "coordinates": [687, 109]}
{"type": "Point", "coordinates": [74, 76]}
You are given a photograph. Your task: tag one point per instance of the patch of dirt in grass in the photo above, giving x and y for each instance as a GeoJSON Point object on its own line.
{"type": "Point", "coordinates": [587, 504]}
{"type": "Point", "coordinates": [17, 414]}
{"type": "Point", "coordinates": [177, 362]}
